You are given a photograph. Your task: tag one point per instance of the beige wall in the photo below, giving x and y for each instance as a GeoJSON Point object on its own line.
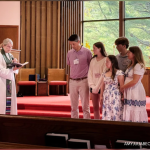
{"type": "Point", "coordinates": [10, 14]}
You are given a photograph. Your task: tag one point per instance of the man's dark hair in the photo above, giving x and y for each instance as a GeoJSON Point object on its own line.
{"type": "Point", "coordinates": [74, 37]}
{"type": "Point", "coordinates": [122, 41]}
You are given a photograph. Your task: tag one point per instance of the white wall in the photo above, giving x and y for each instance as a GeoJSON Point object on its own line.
{"type": "Point", "coordinates": [10, 14]}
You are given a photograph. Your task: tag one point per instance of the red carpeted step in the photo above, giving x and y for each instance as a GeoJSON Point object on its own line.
{"type": "Point", "coordinates": [148, 111]}
{"type": "Point", "coordinates": [48, 113]}
{"type": "Point", "coordinates": [52, 114]}
{"type": "Point", "coordinates": [44, 113]}
{"type": "Point", "coordinates": [148, 119]}
{"type": "Point", "coordinates": [52, 102]}
{"type": "Point", "coordinates": [48, 107]}
{"type": "Point", "coordinates": [44, 107]}
{"type": "Point", "coordinates": [54, 106]}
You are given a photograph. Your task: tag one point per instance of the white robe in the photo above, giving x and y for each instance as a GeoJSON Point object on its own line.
{"type": "Point", "coordinates": [7, 74]}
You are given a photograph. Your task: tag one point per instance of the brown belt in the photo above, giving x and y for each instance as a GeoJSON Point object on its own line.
{"type": "Point", "coordinates": [79, 78]}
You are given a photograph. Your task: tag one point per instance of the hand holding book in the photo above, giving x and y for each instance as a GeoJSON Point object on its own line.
{"type": "Point", "coordinates": [18, 64]}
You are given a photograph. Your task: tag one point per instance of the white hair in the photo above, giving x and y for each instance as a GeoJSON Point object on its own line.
{"type": "Point", "coordinates": [7, 41]}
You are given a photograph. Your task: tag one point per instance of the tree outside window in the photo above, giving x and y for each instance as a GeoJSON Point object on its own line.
{"type": "Point", "coordinates": [101, 23]}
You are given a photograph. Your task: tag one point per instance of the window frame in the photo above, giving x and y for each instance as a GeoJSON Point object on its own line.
{"type": "Point", "coordinates": [121, 19]}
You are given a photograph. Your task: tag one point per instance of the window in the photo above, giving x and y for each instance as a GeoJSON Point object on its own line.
{"type": "Point", "coordinates": [137, 26]}
{"type": "Point", "coordinates": [101, 23]}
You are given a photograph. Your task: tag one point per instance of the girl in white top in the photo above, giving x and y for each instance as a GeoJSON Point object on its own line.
{"type": "Point", "coordinates": [97, 67]}
{"type": "Point", "coordinates": [134, 93]}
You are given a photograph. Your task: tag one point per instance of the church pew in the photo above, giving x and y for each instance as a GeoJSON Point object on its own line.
{"type": "Point", "coordinates": [31, 130]}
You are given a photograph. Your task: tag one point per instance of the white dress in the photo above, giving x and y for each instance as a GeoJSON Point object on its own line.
{"type": "Point", "coordinates": [135, 97]}
{"type": "Point", "coordinates": [112, 104]}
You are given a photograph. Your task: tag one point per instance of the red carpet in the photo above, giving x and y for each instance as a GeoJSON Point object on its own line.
{"type": "Point", "coordinates": [53, 106]}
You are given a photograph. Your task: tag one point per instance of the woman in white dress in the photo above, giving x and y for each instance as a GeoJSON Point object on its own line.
{"type": "Point", "coordinates": [8, 102]}
{"type": "Point", "coordinates": [134, 93]}
{"type": "Point", "coordinates": [97, 67]}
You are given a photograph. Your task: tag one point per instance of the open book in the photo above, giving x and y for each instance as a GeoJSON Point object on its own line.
{"type": "Point", "coordinates": [19, 64]}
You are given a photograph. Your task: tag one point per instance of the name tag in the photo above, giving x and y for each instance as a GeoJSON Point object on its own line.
{"type": "Point", "coordinates": [76, 61]}
{"type": "Point", "coordinates": [97, 75]}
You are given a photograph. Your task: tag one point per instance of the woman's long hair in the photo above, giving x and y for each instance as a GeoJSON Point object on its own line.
{"type": "Point", "coordinates": [115, 66]}
{"type": "Point", "coordinates": [138, 56]}
{"type": "Point", "coordinates": [100, 45]}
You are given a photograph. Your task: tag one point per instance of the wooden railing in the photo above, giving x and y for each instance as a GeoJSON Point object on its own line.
{"type": "Point", "coordinates": [32, 130]}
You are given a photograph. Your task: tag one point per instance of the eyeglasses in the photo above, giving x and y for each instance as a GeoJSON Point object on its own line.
{"type": "Point", "coordinates": [9, 47]}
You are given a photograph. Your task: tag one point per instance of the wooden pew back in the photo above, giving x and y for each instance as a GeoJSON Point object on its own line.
{"type": "Point", "coordinates": [56, 74]}
{"type": "Point", "coordinates": [24, 73]}
{"type": "Point", "coordinates": [32, 130]}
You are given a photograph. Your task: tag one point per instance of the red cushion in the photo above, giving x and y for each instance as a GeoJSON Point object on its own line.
{"type": "Point", "coordinates": [26, 83]}
{"type": "Point", "coordinates": [58, 83]}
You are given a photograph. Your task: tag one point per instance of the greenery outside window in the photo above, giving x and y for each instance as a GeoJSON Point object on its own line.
{"type": "Point", "coordinates": [102, 22]}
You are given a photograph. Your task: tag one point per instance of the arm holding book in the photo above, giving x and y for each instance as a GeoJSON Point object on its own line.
{"type": "Point", "coordinates": [15, 69]}
{"type": "Point", "coordinates": [19, 65]}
